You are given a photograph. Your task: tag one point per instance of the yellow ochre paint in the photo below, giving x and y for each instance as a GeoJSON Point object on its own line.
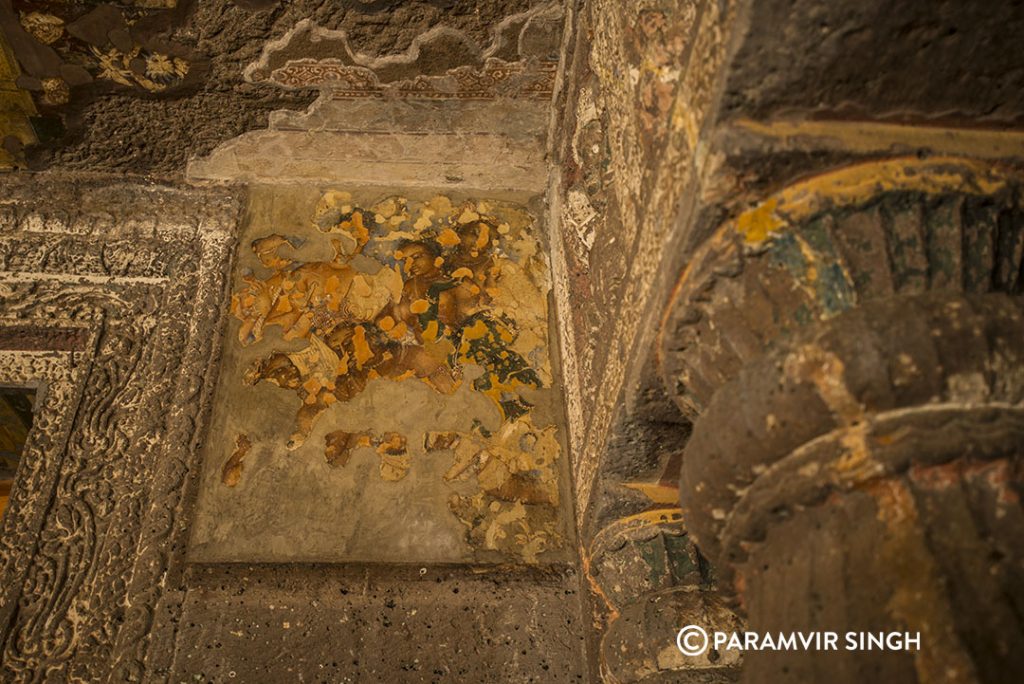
{"type": "Point", "coordinates": [856, 184]}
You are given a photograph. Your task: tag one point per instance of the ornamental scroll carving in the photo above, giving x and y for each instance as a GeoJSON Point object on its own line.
{"type": "Point", "coordinates": [111, 299]}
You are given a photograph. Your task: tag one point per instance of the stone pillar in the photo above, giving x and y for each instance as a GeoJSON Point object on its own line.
{"type": "Point", "coordinates": [852, 350]}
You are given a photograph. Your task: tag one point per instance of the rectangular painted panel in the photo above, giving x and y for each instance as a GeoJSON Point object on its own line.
{"type": "Point", "coordinates": [386, 393]}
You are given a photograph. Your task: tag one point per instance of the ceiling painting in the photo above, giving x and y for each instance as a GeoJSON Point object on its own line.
{"type": "Point", "coordinates": [389, 348]}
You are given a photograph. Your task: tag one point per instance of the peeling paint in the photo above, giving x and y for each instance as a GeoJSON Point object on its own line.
{"type": "Point", "coordinates": [407, 339]}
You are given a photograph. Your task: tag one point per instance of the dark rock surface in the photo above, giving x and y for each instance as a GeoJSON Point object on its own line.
{"type": "Point", "coordinates": [121, 131]}
{"type": "Point", "coordinates": [373, 624]}
{"type": "Point", "coordinates": [926, 60]}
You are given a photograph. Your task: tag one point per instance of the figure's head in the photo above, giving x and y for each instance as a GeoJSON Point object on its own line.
{"type": "Point", "coordinates": [277, 369]}
{"type": "Point", "coordinates": [419, 257]}
{"type": "Point", "coordinates": [475, 236]}
{"type": "Point", "coordinates": [354, 232]}
{"type": "Point", "coordinates": [336, 213]}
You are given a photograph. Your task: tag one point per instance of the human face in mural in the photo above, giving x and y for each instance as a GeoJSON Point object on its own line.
{"type": "Point", "coordinates": [356, 239]}
{"type": "Point", "coordinates": [474, 238]}
{"type": "Point", "coordinates": [419, 261]}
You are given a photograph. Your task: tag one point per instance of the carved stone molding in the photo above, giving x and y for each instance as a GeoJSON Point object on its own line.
{"type": "Point", "coordinates": [57, 376]}
{"type": "Point", "coordinates": [891, 384]}
{"type": "Point", "coordinates": [493, 79]}
{"type": "Point", "coordinates": [141, 270]}
{"type": "Point", "coordinates": [442, 63]}
{"type": "Point", "coordinates": [651, 579]}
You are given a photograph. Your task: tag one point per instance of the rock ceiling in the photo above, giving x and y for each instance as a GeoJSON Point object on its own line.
{"type": "Point", "coordinates": [142, 86]}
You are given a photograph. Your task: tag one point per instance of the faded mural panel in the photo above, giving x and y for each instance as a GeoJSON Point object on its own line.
{"type": "Point", "coordinates": [386, 393]}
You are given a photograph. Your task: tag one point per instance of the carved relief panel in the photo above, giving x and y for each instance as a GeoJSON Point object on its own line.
{"type": "Point", "coordinates": [111, 298]}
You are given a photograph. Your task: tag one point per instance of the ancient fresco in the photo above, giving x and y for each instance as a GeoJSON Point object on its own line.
{"type": "Point", "coordinates": [66, 45]}
{"type": "Point", "coordinates": [404, 347]}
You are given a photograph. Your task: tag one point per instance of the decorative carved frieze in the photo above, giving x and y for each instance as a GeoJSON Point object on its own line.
{"type": "Point", "coordinates": [94, 534]}
{"type": "Point", "coordinates": [442, 63]}
{"type": "Point", "coordinates": [496, 78]}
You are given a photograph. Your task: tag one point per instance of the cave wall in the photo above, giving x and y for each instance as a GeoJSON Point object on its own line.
{"type": "Point", "coordinates": [680, 128]}
{"type": "Point", "coordinates": [136, 547]}
{"type": "Point", "coordinates": [185, 156]}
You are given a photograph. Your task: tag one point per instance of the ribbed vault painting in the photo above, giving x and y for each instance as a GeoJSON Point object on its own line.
{"type": "Point", "coordinates": [387, 391]}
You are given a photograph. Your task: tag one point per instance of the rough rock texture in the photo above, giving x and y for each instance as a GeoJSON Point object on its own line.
{"type": "Point", "coordinates": [942, 60]}
{"type": "Point", "coordinates": [118, 132]}
{"type": "Point", "coordinates": [628, 161]}
{"type": "Point", "coordinates": [331, 624]}
{"type": "Point", "coordinates": [896, 426]}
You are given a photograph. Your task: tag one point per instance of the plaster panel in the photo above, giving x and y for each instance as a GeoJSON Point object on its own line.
{"type": "Point", "coordinates": [426, 161]}
{"type": "Point", "coordinates": [386, 392]}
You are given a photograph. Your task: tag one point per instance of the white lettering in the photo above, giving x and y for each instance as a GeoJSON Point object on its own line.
{"type": "Point", "coordinates": [816, 641]}
{"type": "Point", "coordinates": [787, 642]}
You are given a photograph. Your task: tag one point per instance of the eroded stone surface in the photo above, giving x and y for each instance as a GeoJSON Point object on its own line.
{"type": "Point", "coordinates": [873, 60]}
{"type": "Point", "coordinates": [274, 623]}
{"type": "Point", "coordinates": [125, 127]}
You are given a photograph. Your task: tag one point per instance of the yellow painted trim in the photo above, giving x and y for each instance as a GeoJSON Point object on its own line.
{"type": "Point", "coordinates": [874, 137]}
{"type": "Point", "coordinates": [658, 516]}
{"type": "Point", "coordinates": [657, 493]}
{"type": "Point", "coordinates": [857, 184]}
{"type": "Point", "coordinates": [838, 188]}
